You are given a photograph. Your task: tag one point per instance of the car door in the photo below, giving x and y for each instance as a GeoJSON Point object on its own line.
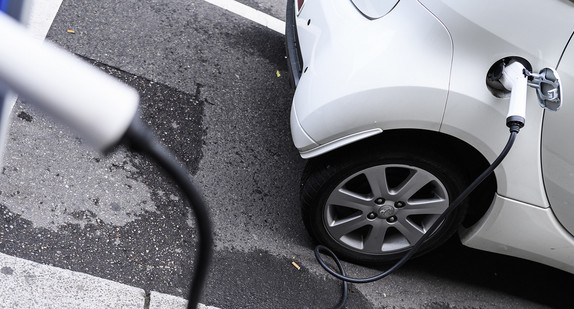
{"type": "Point", "coordinates": [558, 147]}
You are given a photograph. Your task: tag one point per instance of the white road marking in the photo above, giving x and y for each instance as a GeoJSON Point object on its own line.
{"type": "Point", "coordinates": [251, 14]}
{"type": "Point", "coordinates": [40, 16]}
{"type": "Point", "coordinates": [27, 284]}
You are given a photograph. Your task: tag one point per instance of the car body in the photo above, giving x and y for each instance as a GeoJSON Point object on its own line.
{"type": "Point", "coordinates": [407, 80]}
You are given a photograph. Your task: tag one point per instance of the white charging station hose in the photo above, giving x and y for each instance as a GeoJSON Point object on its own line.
{"type": "Point", "coordinates": [101, 109]}
{"type": "Point", "coordinates": [94, 104]}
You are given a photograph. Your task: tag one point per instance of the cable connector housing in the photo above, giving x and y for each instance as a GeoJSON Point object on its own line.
{"type": "Point", "coordinates": [515, 78]}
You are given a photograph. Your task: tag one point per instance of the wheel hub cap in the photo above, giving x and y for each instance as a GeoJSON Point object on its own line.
{"type": "Point", "coordinates": [386, 211]}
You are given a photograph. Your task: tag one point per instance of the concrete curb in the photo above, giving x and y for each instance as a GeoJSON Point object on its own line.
{"type": "Point", "coordinates": [27, 284]}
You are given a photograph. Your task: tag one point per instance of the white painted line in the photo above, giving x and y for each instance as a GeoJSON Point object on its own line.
{"type": "Point", "coordinates": [27, 284]}
{"type": "Point", "coordinates": [251, 14]}
{"type": "Point", "coordinates": [40, 16]}
{"type": "Point", "coordinates": [165, 301]}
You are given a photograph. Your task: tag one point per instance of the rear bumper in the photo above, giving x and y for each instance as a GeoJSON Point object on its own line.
{"type": "Point", "coordinates": [294, 59]}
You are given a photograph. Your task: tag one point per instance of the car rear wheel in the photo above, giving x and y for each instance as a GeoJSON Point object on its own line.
{"type": "Point", "coordinates": [371, 207]}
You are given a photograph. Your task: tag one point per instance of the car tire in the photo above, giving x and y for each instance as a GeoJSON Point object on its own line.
{"type": "Point", "coordinates": [370, 207]}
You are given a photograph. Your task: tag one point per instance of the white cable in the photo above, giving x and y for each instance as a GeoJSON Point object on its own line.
{"type": "Point", "coordinates": [93, 103]}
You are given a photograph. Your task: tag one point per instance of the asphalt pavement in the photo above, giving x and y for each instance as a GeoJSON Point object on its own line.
{"type": "Point", "coordinates": [214, 88]}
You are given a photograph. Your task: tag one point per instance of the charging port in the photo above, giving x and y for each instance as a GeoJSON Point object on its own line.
{"type": "Point", "coordinates": [494, 75]}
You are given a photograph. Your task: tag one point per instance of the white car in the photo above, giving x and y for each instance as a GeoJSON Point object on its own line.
{"type": "Point", "coordinates": [398, 107]}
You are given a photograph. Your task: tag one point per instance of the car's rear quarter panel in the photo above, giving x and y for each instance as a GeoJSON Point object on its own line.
{"type": "Point", "coordinates": [393, 72]}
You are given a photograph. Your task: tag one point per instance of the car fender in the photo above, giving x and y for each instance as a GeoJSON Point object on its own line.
{"type": "Point", "coordinates": [391, 66]}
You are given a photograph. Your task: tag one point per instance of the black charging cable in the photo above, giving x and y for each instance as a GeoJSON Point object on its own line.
{"type": "Point", "coordinates": [514, 129]}
{"type": "Point", "coordinates": [142, 140]}
{"type": "Point", "coordinates": [139, 138]}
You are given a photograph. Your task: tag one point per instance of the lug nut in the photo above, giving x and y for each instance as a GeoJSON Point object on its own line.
{"type": "Point", "coordinates": [371, 215]}
{"type": "Point", "coordinates": [399, 204]}
{"type": "Point", "coordinates": [380, 201]}
{"type": "Point", "coordinates": [392, 219]}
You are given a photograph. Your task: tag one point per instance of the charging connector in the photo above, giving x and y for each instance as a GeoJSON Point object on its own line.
{"type": "Point", "coordinates": [515, 79]}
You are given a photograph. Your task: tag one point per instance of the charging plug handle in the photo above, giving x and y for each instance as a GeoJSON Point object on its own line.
{"type": "Point", "coordinates": [96, 105]}
{"type": "Point", "coordinates": [515, 79]}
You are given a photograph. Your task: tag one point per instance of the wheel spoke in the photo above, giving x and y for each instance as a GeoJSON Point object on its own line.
{"type": "Point", "coordinates": [425, 207]}
{"type": "Point", "coordinates": [409, 231]}
{"type": "Point", "coordinates": [375, 239]}
{"type": "Point", "coordinates": [376, 176]}
{"type": "Point", "coordinates": [413, 184]}
{"type": "Point", "coordinates": [343, 227]}
{"type": "Point", "coordinates": [345, 198]}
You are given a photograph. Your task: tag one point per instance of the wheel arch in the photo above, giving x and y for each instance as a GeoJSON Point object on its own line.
{"type": "Point", "coordinates": [461, 154]}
